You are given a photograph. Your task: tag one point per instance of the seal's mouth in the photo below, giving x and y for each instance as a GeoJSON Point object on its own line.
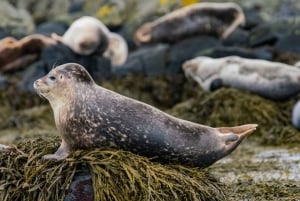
{"type": "Point", "coordinates": [41, 91]}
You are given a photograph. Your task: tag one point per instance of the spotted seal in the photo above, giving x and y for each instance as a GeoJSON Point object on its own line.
{"type": "Point", "coordinates": [88, 116]}
{"type": "Point", "coordinates": [273, 80]}
{"type": "Point", "coordinates": [219, 19]}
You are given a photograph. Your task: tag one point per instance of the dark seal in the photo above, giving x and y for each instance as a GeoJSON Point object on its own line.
{"type": "Point", "coordinates": [88, 116]}
{"type": "Point", "coordinates": [218, 19]}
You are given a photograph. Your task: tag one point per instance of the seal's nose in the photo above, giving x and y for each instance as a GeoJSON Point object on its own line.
{"type": "Point", "coordinates": [36, 83]}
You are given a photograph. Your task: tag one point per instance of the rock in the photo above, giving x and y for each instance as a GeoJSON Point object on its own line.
{"type": "Point", "coordinates": [98, 67]}
{"type": "Point", "coordinates": [290, 43]}
{"type": "Point", "coordinates": [269, 33]}
{"type": "Point", "coordinates": [76, 6]}
{"type": "Point", "coordinates": [32, 73]}
{"type": "Point", "coordinates": [3, 147]}
{"type": "Point", "coordinates": [3, 82]}
{"type": "Point", "coordinates": [42, 11]}
{"type": "Point", "coordinates": [237, 37]}
{"type": "Point", "coordinates": [149, 60]}
{"type": "Point", "coordinates": [296, 115]}
{"type": "Point", "coordinates": [48, 28]}
{"type": "Point", "coordinates": [3, 33]}
{"type": "Point", "coordinates": [17, 22]}
{"type": "Point", "coordinates": [81, 187]}
{"type": "Point", "coordinates": [188, 49]}
{"type": "Point", "coordinates": [253, 17]}
{"type": "Point", "coordinates": [259, 53]}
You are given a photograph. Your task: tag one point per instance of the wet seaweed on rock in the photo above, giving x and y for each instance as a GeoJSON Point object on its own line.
{"type": "Point", "coordinates": [116, 175]}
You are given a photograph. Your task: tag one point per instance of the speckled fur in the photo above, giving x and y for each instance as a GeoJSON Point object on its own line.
{"type": "Point", "coordinates": [219, 19]}
{"type": "Point", "coordinates": [272, 80]}
{"type": "Point", "coordinates": [88, 115]}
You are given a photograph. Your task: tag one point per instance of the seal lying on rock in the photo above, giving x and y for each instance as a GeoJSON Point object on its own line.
{"type": "Point", "coordinates": [88, 116]}
{"type": "Point", "coordinates": [117, 50]}
{"type": "Point", "coordinates": [18, 54]}
{"type": "Point", "coordinates": [219, 19]}
{"type": "Point", "coordinates": [271, 80]}
{"type": "Point", "coordinates": [88, 35]}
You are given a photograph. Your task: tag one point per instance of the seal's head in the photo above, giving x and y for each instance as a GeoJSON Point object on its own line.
{"type": "Point", "coordinates": [60, 82]}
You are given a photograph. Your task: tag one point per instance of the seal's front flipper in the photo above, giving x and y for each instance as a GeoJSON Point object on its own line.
{"type": "Point", "coordinates": [62, 152]}
{"type": "Point", "coordinates": [233, 136]}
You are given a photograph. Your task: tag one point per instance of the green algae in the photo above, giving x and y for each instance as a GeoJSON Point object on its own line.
{"type": "Point", "coordinates": [116, 175]}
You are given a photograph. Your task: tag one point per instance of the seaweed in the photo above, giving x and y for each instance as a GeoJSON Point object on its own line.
{"type": "Point", "coordinates": [231, 107]}
{"type": "Point", "coordinates": [116, 175]}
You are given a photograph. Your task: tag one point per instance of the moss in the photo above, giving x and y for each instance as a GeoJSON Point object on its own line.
{"type": "Point", "coordinates": [116, 175]}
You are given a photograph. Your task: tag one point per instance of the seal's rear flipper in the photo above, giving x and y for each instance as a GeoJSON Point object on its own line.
{"type": "Point", "coordinates": [233, 136]}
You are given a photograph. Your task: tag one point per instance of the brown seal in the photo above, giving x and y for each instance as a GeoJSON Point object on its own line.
{"type": "Point", "coordinates": [88, 116]}
{"type": "Point", "coordinates": [17, 54]}
{"type": "Point", "coordinates": [219, 19]}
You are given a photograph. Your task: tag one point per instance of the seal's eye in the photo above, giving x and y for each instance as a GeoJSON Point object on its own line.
{"type": "Point", "coordinates": [61, 77]}
{"type": "Point", "coordinates": [52, 78]}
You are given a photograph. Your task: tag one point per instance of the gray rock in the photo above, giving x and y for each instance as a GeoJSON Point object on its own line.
{"type": "Point", "coordinates": [17, 22]}
{"type": "Point", "coordinates": [296, 115]}
{"type": "Point", "coordinates": [81, 188]}
{"type": "Point", "coordinates": [98, 67]}
{"type": "Point", "coordinates": [35, 71]}
{"type": "Point", "coordinates": [3, 147]}
{"type": "Point", "coordinates": [3, 82]}
{"type": "Point", "coordinates": [237, 37]}
{"type": "Point", "coordinates": [188, 49]}
{"type": "Point", "coordinates": [149, 60]}
{"type": "Point", "coordinates": [43, 11]}
{"type": "Point", "coordinates": [290, 43]}
{"type": "Point", "coordinates": [48, 28]}
{"type": "Point", "coordinates": [269, 33]}
{"type": "Point", "coordinates": [259, 53]}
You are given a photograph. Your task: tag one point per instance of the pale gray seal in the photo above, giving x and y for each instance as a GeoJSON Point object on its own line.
{"type": "Point", "coordinates": [219, 19]}
{"type": "Point", "coordinates": [268, 79]}
{"type": "Point", "coordinates": [85, 36]}
{"type": "Point", "coordinates": [88, 35]}
{"type": "Point", "coordinates": [88, 116]}
{"type": "Point", "coordinates": [117, 50]}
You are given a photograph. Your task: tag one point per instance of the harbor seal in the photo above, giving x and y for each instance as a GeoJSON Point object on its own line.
{"type": "Point", "coordinates": [219, 19]}
{"type": "Point", "coordinates": [88, 116]}
{"type": "Point", "coordinates": [88, 35]}
{"type": "Point", "coordinates": [273, 80]}
{"type": "Point", "coordinates": [85, 36]}
{"type": "Point", "coordinates": [117, 50]}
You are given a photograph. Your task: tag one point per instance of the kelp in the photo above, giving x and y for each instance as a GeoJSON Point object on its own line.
{"type": "Point", "coordinates": [116, 175]}
{"type": "Point", "coordinates": [231, 107]}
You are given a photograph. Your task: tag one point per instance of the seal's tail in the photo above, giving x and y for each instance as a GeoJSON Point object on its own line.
{"type": "Point", "coordinates": [233, 136]}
